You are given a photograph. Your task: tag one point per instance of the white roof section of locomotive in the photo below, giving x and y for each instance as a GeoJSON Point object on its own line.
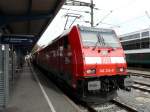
{"type": "Point", "coordinates": [82, 27]}
{"type": "Point", "coordinates": [135, 51]}
{"type": "Point", "coordinates": [95, 29]}
{"type": "Point", "coordinates": [78, 26]}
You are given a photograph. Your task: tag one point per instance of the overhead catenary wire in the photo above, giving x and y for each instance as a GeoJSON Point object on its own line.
{"type": "Point", "coordinates": [103, 18]}
{"type": "Point", "coordinates": [75, 10]}
{"type": "Point", "coordinates": [107, 15]}
{"type": "Point", "coordinates": [132, 19]}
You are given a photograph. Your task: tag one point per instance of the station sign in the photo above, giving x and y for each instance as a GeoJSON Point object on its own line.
{"type": "Point", "coordinates": [18, 40]}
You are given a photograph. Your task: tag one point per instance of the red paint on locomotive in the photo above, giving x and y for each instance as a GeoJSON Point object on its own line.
{"type": "Point", "coordinates": [86, 68]}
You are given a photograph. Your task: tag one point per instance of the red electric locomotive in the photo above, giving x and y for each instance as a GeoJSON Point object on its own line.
{"type": "Point", "coordinates": [90, 60]}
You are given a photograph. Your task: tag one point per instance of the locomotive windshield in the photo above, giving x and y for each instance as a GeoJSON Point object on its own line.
{"type": "Point", "coordinates": [99, 39]}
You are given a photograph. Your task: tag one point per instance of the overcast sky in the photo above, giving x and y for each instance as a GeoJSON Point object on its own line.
{"type": "Point", "coordinates": [123, 16]}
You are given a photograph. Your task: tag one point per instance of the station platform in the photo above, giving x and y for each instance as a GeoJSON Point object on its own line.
{"type": "Point", "coordinates": [33, 92]}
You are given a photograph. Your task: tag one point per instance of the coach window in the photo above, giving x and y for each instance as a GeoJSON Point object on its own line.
{"type": "Point", "coordinates": [145, 43]}
{"type": "Point", "coordinates": [66, 42]}
{"type": "Point", "coordinates": [145, 34]}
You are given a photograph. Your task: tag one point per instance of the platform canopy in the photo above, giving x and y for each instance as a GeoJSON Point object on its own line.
{"type": "Point", "coordinates": [27, 17]}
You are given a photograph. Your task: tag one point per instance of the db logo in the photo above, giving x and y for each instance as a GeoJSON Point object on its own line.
{"type": "Point", "coordinates": [106, 60]}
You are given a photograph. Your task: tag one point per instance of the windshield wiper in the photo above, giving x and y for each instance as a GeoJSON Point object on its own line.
{"type": "Point", "coordinates": [100, 40]}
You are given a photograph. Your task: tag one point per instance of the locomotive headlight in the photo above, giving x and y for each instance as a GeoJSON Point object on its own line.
{"type": "Point", "coordinates": [91, 71]}
{"type": "Point", "coordinates": [120, 69]}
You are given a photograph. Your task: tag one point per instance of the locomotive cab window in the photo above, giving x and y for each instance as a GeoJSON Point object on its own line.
{"type": "Point", "coordinates": [101, 39]}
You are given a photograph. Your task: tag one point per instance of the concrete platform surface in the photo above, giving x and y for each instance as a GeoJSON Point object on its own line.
{"type": "Point", "coordinates": [35, 93]}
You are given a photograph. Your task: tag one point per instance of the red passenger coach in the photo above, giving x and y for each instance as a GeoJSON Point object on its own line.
{"type": "Point", "coordinates": [90, 60]}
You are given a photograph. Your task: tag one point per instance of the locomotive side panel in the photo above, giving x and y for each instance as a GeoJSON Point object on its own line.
{"type": "Point", "coordinates": [77, 56]}
{"type": "Point", "coordinates": [57, 58]}
{"type": "Point", "coordinates": [65, 59]}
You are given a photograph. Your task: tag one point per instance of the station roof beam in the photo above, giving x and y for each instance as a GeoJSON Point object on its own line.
{"type": "Point", "coordinates": [27, 17]}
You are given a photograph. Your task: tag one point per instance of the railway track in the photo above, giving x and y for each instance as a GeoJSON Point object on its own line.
{"type": "Point", "coordinates": [125, 106]}
{"type": "Point", "coordinates": [141, 83]}
{"type": "Point", "coordinates": [141, 86]}
{"type": "Point", "coordinates": [112, 106]}
{"type": "Point", "coordinates": [139, 74]}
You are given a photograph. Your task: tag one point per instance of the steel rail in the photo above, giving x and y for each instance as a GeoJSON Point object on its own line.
{"type": "Point", "coordinates": [142, 89]}
{"type": "Point", "coordinates": [141, 83]}
{"type": "Point", "coordinates": [124, 106]}
{"type": "Point", "coordinates": [139, 74]}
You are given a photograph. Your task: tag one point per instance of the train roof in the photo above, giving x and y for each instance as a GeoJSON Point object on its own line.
{"type": "Point", "coordinates": [135, 35]}
{"type": "Point", "coordinates": [65, 32]}
{"type": "Point", "coordinates": [85, 28]}
{"type": "Point", "coordinates": [94, 29]}
{"type": "Point", "coordinates": [134, 32]}
{"type": "Point", "coordinates": [81, 28]}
